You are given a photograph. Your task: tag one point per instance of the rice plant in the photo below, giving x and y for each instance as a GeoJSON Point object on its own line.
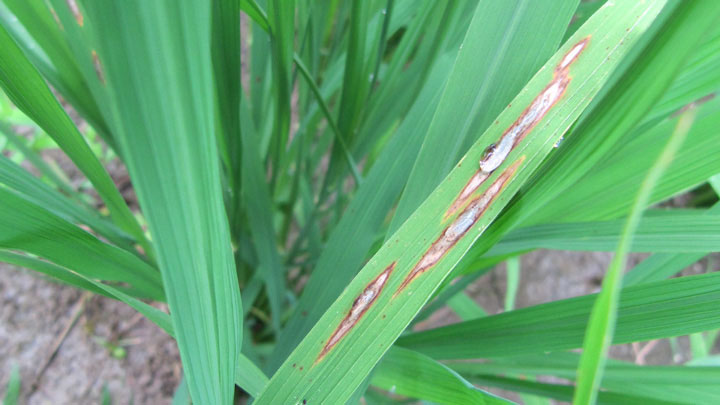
{"type": "Point", "coordinates": [316, 177]}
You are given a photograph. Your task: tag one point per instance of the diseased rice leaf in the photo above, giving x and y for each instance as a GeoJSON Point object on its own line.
{"type": "Point", "coordinates": [382, 300]}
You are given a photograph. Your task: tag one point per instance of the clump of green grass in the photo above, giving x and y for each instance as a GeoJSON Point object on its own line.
{"type": "Point", "coordinates": [317, 178]}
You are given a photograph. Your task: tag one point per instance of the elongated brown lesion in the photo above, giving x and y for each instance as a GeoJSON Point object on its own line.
{"type": "Point", "coordinates": [98, 67]}
{"type": "Point", "coordinates": [534, 113]}
{"type": "Point", "coordinates": [75, 10]}
{"type": "Point", "coordinates": [360, 306]}
{"type": "Point", "coordinates": [497, 152]}
{"type": "Point", "coordinates": [460, 226]}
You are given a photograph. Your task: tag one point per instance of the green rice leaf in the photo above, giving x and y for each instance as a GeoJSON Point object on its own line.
{"type": "Point", "coordinates": [30, 228]}
{"type": "Point", "coordinates": [648, 311]}
{"type": "Point", "coordinates": [676, 384]}
{"type": "Point", "coordinates": [12, 394]}
{"type": "Point", "coordinates": [162, 114]}
{"type": "Point", "coordinates": [412, 374]}
{"type": "Point", "coordinates": [33, 189]}
{"type": "Point", "coordinates": [561, 392]}
{"type": "Point", "coordinates": [676, 232]}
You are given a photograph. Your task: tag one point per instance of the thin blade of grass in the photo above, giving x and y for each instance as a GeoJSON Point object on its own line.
{"type": "Point", "coordinates": [603, 317]}
{"type": "Point", "coordinates": [36, 160]}
{"type": "Point", "coordinates": [411, 374]}
{"type": "Point", "coordinates": [678, 384]}
{"type": "Point", "coordinates": [561, 392]}
{"type": "Point", "coordinates": [513, 280]}
{"type": "Point", "coordinates": [672, 232]}
{"type": "Point", "coordinates": [646, 312]}
{"type": "Point", "coordinates": [53, 271]}
{"type": "Point", "coordinates": [31, 228]}
{"type": "Point", "coordinates": [259, 208]}
{"type": "Point", "coordinates": [226, 68]}
{"type": "Point", "coordinates": [33, 189]}
{"type": "Point", "coordinates": [281, 20]}
{"type": "Point", "coordinates": [12, 394]}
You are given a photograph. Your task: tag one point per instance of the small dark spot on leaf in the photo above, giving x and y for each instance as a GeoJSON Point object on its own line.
{"type": "Point", "coordinates": [304, 313]}
{"type": "Point", "coordinates": [301, 368]}
{"type": "Point", "coordinates": [294, 364]}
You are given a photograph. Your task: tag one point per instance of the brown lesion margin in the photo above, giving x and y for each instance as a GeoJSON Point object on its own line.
{"type": "Point", "coordinates": [560, 74]}
{"type": "Point", "coordinates": [354, 315]}
{"type": "Point", "coordinates": [442, 242]}
{"type": "Point", "coordinates": [75, 10]}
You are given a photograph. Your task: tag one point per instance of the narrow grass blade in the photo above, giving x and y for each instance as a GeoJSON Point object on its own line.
{"type": "Point", "coordinates": [28, 91]}
{"type": "Point", "coordinates": [664, 265]}
{"type": "Point", "coordinates": [33, 189]}
{"type": "Point", "coordinates": [384, 297]}
{"type": "Point", "coordinates": [677, 384]}
{"type": "Point", "coordinates": [564, 365]}
{"type": "Point", "coordinates": [513, 280]}
{"type": "Point", "coordinates": [561, 392]}
{"type": "Point", "coordinates": [251, 8]}
{"type": "Point", "coordinates": [465, 307]}
{"type": "Point", "coordinates": [156, 62]}
{"type": "Point", "coordinates": [646, 311]}
{"type": "Point", "coordinates": [603, 317]}
{"type": "Point", "coordinates": [249, 377]}
{"type": "Point", "coordinates": [256, 196]}
{"type": "Point", "coordinates": [411, 374]}
{"type": "Point", "coordinates": [356, 79]}
{"type": "Point", "coordinates": [12, 393]}
{"type": "Point", "coordinates": [53, 271]}
{"type": "Point", "coordinates": [226, 67]}
{"type": "Point", "coordinates": [672, 232]}
{"type": "Point", "coordinates": [281, 20]}
{"type": "Point", "coordinates": [36, 160]}
{"type": "Point", "coordinates": [28, 227]}
{"type": "Point", "coordinates": [660, 266]}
